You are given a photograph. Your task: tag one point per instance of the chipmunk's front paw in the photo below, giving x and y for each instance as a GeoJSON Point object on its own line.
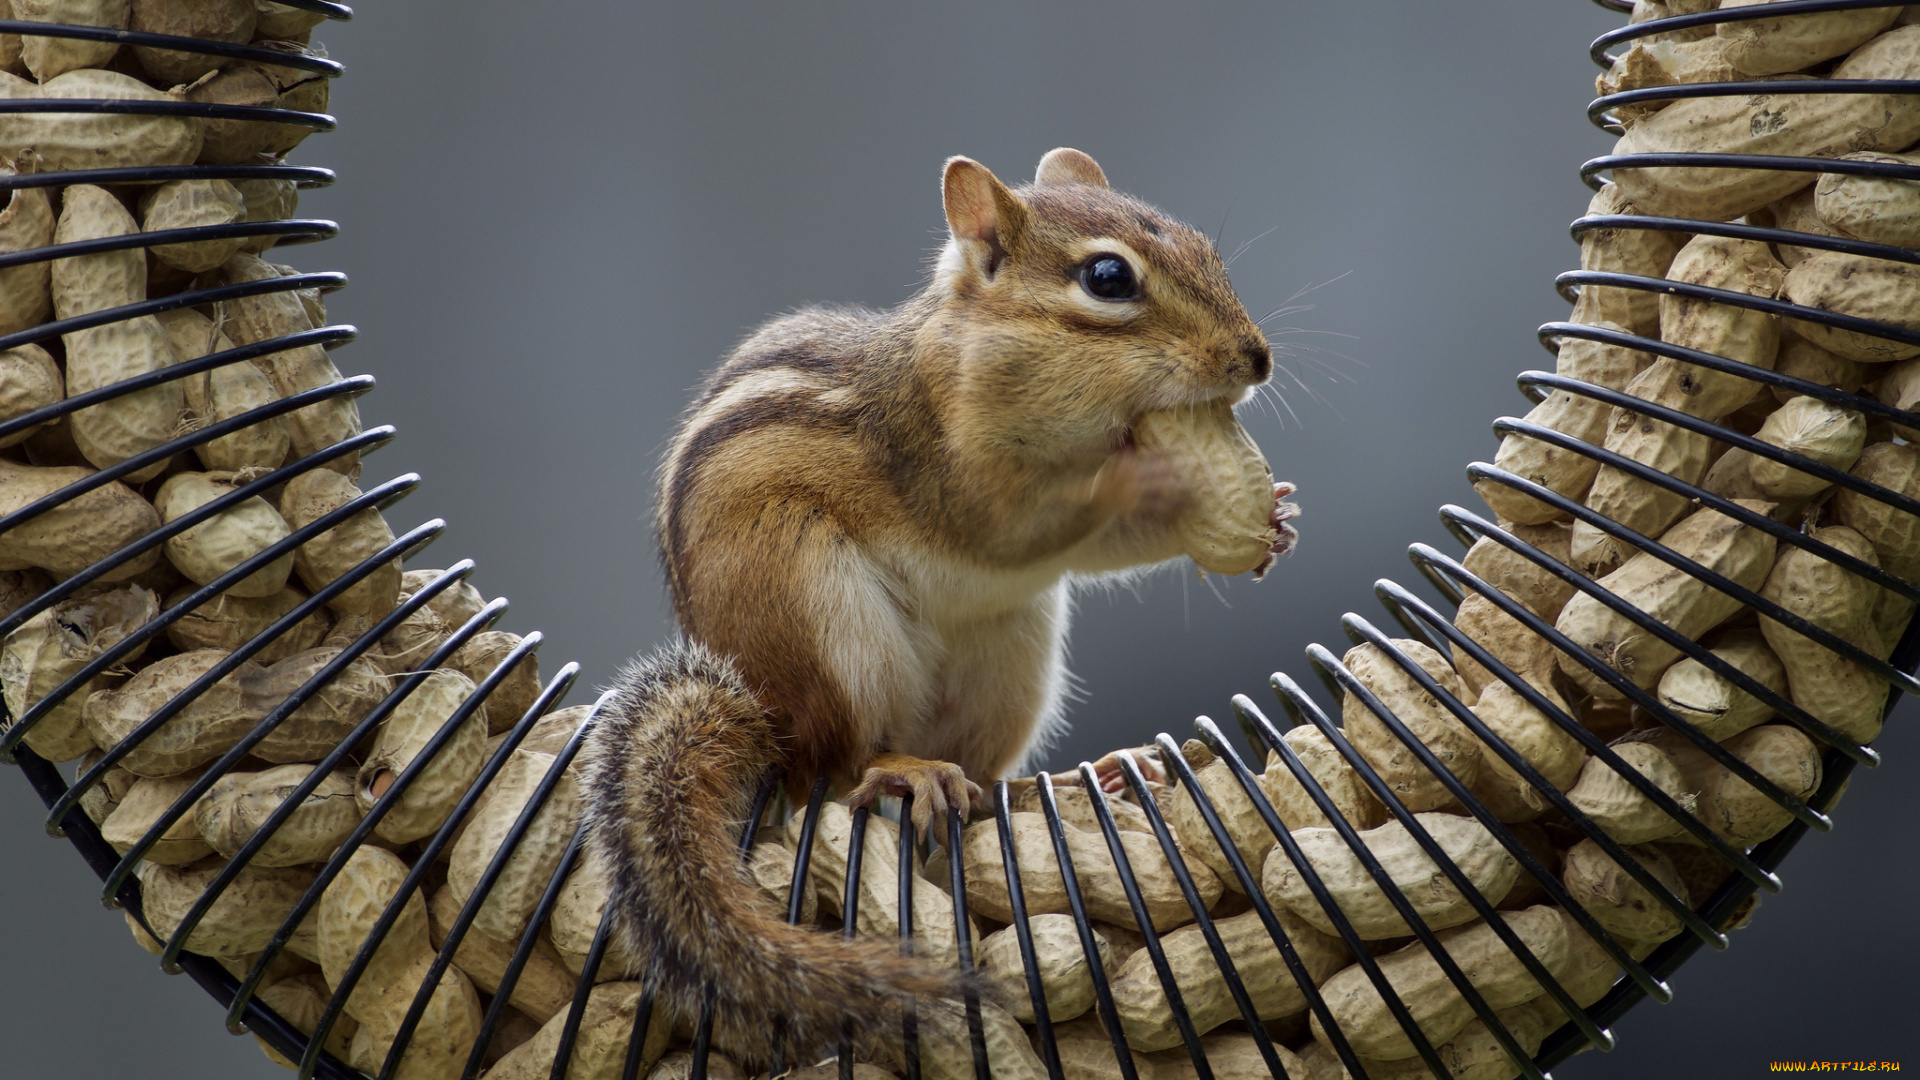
{"type": "Point", "coordinates": [1111, 777]}
{"type": "Point", "coordinates": [1281, 518]}
{"type": "Point", "coordinates": [934, 785]}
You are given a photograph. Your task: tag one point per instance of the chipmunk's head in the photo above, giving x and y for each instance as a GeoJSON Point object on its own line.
{"type": "Point", "coordinates": [1075, 308]}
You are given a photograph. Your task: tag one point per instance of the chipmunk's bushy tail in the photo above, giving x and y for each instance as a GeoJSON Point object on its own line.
{"type": "Point", "coordinates": [673, 762]}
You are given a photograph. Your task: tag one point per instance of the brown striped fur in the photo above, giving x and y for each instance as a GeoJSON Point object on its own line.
{"type": "Point", "coordinates": [874, 518]}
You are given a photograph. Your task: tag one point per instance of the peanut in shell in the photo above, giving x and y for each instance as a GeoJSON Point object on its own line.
{"type": "Point", "coordinates": [267, 200]}
{"type": "Point", "coordinates": [1093, 865]}
{"type": "Point", "coordinates": [516, 692]}
{"type": "Point", "coordinates": [403, 736]}
{"type": "Point", "coordinates": [1621, 810]}
{"type": "Point", "coordinates": [227, 622]}
{"type": "Point", "coordinates": [1520, 577]}
{"type": "Point", "coordinates": [1424, 716]}
{"type": "Point", "coordinates": [231, 21]}
{"type": "Point", "coordinates": [48, 57]}
{"type": "Point", "coordinates": [544, 987]}
{"type": "Point", "coordinates": [112, 431]}
{"type": "Point", "coordinates": [300, 1000]}
{"type": "Point", "coordinates": [29, 380]}
{"type": "Point", "coordinates": [239, 804]}
{"type": "Point", "coordinates": [278, 21]}
{"type": "Point", "coordinates": [224, 541]}
{"type": "Point", "coordinates": [1524, 652]}
{"type": "Point", "coordinates": [1226, 527]}
{"type": "Point", "coordinates": [185, 204]}
{"type": "Point", "coordinates": [1838, 691]}
{"type": "Point", "coordinates": [1364, 902]}
{"type": "Point", "coordinates": [1141, 1000]}
{"type": "Point", "coordinates": [270, 315]}
{"type": "Point", "coordinates": [878, 913]}
{"type": "Point", "coordinates": [576, 917]}
{"type": "Point", "coordinates": [1813, 429]}
{"type": "Point", "coordinates": [503, 915]}
{"type": "Point", "coordinates": [1804, 360]}
{"type": "Point", "coordinates": [245, 917]}
{"type": "Point", "coordinates": [1244, 824]}
{"type": "Point", "coordinates": [1808, 125]}
{"type": "Point", "coordinates": [1617, 901]}
{"type": "Point", "coordinates": [1434, 1002]}
{"type": "Point", "coordinates": [1878, 209]}
{"type": "Point", "coordinates": [1350, 795]}
{"type": "Point", "coordinates": [318, 562]}
{"type": "Point", "coordinates": [231, 707]}
{"type": "Point", "coordinates": [1541, 742]}
{"type": "Point", "coordinates": [79, 531]}
{"type": "Point", "coordinates": [1645, 252]}
{"type": "Point", "coordinates": [95, 140]}
{"type": "Point", "coordinates": [1792, 42]}
{"type": "Point", "coordinates": [1894, 533]}
{"type": "Point", "coordinates": [1669, 595]}
{"type": "Point", "coordinates": [600, 1049]}
{"type": "Point", "coordinates": [26, 222]}
{"type": "Point", "coordinates": [141, 808]}
{"type": "Point", "coordinates": [52, 647]}
{"type": "Point", "coordinates": [1863, 288]}
{"type": "Point", "coordinates": [1710, 701]}
{"type": "Point", "coordinates": [1066, 980]}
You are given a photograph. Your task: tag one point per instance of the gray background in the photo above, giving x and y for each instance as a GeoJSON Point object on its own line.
{"type": "Point", "coordinates": [556, 216]}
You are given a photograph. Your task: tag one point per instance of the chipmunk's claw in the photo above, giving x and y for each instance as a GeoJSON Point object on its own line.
{"type": "Point", "coordinates": [934, 785]}
{"type": "Point", "coordinates": [1286, 535]}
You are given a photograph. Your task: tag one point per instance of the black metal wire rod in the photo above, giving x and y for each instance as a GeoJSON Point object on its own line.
{"type": "Point", "coordinates": [1550, 332]}
{"type": "Point", "coordinates": [1745, 88]}
{"type": "Point", "coordinates": [205, 110]}
{"type": "Point", "coordinates": [963, 941]}
{"type": "Point", "coordinates": [1183, 774]}
{"type": "Point", "coordinates": [1089, 948]}
{"type": "Point", "coordinates": [910, 1018]}
{"type": "Point", "coordinates": [1023, 934]}
{"type": "Point", "coordinates": [1236, 987]}
{"type": "Point", "coordinates": [239, 290]}
{"type": "Point", "coordinates": [1846, 245]}
{"type": "Point", "coordinates": [312, 228]}
{"type": "Point", "coordinates": [304, 176]}
{"type": "Point", "coordinates": [1598, 51]}
{"type": "Point", "coordinates": [325, 336]}
{"type": "Point", "coordinates": [175, 43]}
{"type": "Point", "coordinates": [1590, 171]}
{"type": "Point", "coordinates": [1123, 868]}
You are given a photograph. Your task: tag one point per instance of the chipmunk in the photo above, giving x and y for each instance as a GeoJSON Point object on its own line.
{"type": "Point", "coordinates": [870, 523]}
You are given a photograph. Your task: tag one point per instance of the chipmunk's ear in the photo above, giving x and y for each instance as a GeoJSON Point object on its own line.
{"type": "Point", "coordinates": [984, 216]}
{"type": "Point", "coordinates": [1065, 165]}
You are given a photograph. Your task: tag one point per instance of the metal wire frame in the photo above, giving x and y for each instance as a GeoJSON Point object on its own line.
{"type": "Point", "coordinates": [1643, 978]}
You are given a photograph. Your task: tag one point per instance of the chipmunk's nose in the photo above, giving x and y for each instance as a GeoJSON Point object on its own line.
{"type": "Point", "coordinates": [1258, 358]}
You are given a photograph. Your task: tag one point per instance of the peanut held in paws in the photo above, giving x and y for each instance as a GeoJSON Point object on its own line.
{"type": "Point", "coordinates": [1232, 523]}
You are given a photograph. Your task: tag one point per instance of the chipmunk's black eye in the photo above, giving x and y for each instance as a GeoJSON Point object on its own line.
{"type": "Point", "coordinates": [1109, 278]}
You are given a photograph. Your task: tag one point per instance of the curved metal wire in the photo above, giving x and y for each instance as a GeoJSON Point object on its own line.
{"type": "Point", "coordinates": [1703, 917]}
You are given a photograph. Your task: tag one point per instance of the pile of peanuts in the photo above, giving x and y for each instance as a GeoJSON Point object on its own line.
{"type": "Point", "coordinates": [1671, 805]}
